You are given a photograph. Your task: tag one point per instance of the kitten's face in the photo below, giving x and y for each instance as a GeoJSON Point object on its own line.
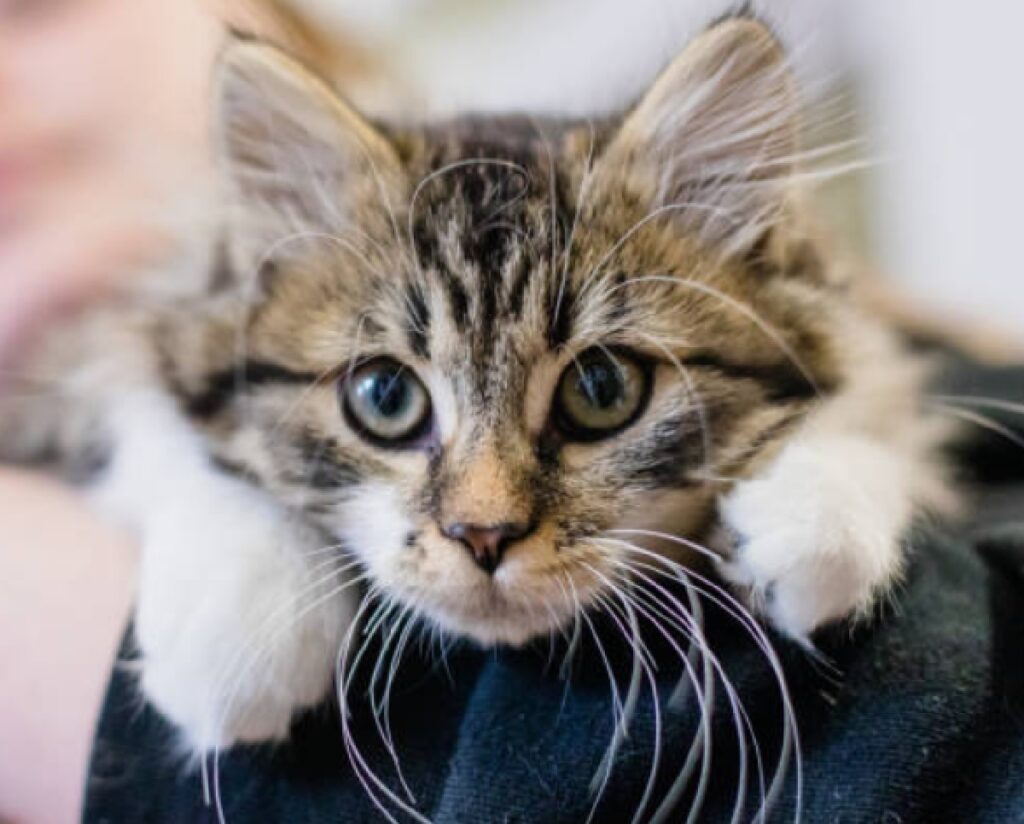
{"type": "Point", "coordinates": [488, 358]}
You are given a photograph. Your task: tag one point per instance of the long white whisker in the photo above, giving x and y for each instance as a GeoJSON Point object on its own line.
{"type": "Point", "coordinates": [676, 615]}
{"type": "Point", "coordinates": [731, 605]}
{"type": "Point", "coordinates": [643, 662]}
{"type": "Point", "coordinates": [402, 624]}
{"type": "Point", "coordinates": [981, 401]}
{"type": "Point", "coordinates": [619, 715]}
{"type": "Point", "coordinates": [669, 607]}
{"type": "Point", "coordinates": [981, 421]}
{"type": "Point", "coordinates": [370, 781]}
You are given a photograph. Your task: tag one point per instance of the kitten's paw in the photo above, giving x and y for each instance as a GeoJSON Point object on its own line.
{"type": "Point", "coordinates": [238, 629]}
{"type": "Point", "coordinates": [808, 544]}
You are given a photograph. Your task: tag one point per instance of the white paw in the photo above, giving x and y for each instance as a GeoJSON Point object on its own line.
{"type": "Point", "coordinates": [814, 540]}
{"type": "Point", "coordinates": [239, 627]}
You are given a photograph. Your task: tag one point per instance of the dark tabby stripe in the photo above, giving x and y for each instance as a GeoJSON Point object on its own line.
{"type": "Point", "coordinates": [764, 439]}
{"type": "Point", "coordinates": [221, 387]}
{"type": "Point", "coordinates": [780, 381]}
{"type": "Point", "coordinates": [458, 300]}
{"type": "Point", "coordinates": [236, 469]}
{"type": "Point", "coordinates": [519, 283]}
{"type": "Point", "coordinates": [419, 321]}
{"type": "Point", "coordinates": [664, 457]}
{"type": "Point", "coordinates": [322, 468]}
{"type": "Point", "coordinates": [561, 306]}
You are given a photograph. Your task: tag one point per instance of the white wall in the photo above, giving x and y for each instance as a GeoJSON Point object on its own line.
{"type": "Point", "coordinates": [944, 99]}
{"type": "Point", "coordinates": [568, 56]}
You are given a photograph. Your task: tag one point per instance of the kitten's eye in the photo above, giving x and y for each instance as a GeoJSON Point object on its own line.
{"type": "Point", "coordinates": [600, 393]}
{"type": "Point", "coordinates": [385, 402]}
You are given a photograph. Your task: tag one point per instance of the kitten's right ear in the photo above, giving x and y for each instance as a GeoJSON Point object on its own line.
{"type": "Point", "coordinates": [292, 151]}
{"type": "Point", "coordinates": [714, 139]}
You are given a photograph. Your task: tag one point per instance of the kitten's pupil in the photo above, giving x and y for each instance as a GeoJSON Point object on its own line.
{"type": "Point", "coordinates": [386, 392]}
{"type": "Point", "coordinates": [600, 393]}
{"type": "Point", "coordinates": [601, 384]}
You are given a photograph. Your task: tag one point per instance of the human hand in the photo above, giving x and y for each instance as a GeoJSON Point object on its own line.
{"type": "Point", "coordinates": [102, 113]}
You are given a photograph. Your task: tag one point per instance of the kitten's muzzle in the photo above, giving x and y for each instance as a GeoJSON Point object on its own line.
{"type": "Point", "coordinates": [487, 544]}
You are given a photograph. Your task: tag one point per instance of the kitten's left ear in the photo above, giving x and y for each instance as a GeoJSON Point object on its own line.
{"type": "Point", "coordinates": [293, 152]}
{"type": "Point", "coordinates": [713, 140]}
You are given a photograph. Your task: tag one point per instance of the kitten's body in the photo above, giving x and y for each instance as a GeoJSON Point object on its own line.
{"type": "Point", "coordinates": [486, 258]}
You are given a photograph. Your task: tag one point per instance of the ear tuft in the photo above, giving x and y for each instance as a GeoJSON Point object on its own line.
{"type": "Point", "coordinates": [715, 137]}
{"type": "Point", "coordinates": [289, 147]}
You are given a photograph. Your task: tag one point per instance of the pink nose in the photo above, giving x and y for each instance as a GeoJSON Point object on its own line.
{"type": "Point", "coordinates": [486, 544]}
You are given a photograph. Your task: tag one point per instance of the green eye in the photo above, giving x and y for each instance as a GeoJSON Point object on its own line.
{"type": "Point", "coordinates": [600, 393]}
{"type": "Point", "coordinates": [385, 402]}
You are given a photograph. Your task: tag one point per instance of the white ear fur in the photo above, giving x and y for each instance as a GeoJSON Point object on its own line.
{"type": "Point", "coordinates": [289, 147]}
{"type": "Point", "coordinates": [716, 134]}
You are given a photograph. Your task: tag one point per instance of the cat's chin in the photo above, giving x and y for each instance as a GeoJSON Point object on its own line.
{"type": "Point", "coordinates": [504, 633]}
{"type": "Point", "coordinates": [495, 621]}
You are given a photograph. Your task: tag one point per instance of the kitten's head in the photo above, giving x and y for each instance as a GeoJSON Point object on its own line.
{"type": "Point", "coordinates": [490, 355]}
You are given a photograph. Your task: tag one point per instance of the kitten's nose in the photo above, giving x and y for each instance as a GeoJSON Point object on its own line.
{"type": "Point", "coordinates": [486, 544]}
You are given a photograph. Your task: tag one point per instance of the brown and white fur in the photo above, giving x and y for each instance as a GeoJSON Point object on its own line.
{"type": "Point", "coordinates": [485, 255]}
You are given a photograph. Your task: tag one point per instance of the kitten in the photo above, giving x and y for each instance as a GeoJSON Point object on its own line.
{"type": "Point", "coordinates": [486, 368]}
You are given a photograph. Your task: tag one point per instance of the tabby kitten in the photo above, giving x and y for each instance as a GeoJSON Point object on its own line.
{"type": "Point", "coordinates": [484, 369]}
